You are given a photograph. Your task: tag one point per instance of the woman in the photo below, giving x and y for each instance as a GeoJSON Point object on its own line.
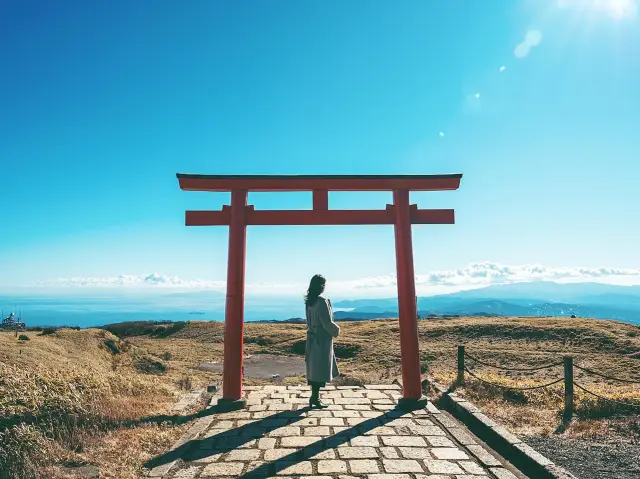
{"type": "Point", "coordinates": [321, 329]}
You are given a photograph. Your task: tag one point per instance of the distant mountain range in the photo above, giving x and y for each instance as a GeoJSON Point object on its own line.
{"type": "Point", "coordinates": [593, 300]}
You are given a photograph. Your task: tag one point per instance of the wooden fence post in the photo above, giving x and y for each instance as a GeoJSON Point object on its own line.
{"type": "Point", "coordinates": [460, 364]}
{"type": "Point", "coordinates": [568, 387]}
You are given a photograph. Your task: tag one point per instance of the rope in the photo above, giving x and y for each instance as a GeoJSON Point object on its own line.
{"type": "Point", "coordinates": [512, 369]}
{"type": "Point", "coordinates": [604, 376]}
{"type": "Point", "coordinates": [604, 398]}
{"type": "Point", "coordinates": [510, 387]}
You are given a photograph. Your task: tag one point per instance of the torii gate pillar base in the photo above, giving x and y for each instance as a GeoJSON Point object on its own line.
{"type": "Point", "coordinates": [227, 405]}
{"type": "Point", "coordinates": [411, 404]}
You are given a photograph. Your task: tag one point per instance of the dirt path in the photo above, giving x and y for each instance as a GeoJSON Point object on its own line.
{"type": "Point", "coordinates": [590, 459]}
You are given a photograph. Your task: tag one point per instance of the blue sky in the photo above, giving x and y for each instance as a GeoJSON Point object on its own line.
{"type": "Point", "coordinates": [102, 103]}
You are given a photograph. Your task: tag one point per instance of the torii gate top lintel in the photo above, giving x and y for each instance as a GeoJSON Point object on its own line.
{"type": "Point", "coordinates": [190, 182]}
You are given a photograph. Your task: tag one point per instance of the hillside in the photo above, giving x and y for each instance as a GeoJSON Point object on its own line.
{"type": "Point", "coordinates": [95, 387]}
{"type": "Point", "coordinates": [81, 398]}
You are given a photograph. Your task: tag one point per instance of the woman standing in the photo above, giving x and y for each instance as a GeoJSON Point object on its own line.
{"type": "Point", "coordinates": [321, 329]}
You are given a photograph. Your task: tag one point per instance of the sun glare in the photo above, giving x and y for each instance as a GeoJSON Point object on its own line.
{"type": "Point", "coordinates": [617, 9]}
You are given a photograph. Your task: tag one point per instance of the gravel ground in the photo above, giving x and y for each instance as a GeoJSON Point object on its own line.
{"type": "Point", "coordinates": [590, 459]}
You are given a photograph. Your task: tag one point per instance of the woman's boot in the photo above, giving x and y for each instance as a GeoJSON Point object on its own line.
{"type": "Point", "coordinates": [314, 400]}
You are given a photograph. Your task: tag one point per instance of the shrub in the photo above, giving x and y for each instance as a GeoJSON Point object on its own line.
{"type": "Point", "coordinates": [185, 383]}
{"type": "Point", "coordinates": [48, 330]}
{"type": "Point", "coordinates": [23, 337]}
{"type": "Point", "coordinates": [166, 356]}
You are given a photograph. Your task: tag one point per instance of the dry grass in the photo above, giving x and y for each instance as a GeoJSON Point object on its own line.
{"type": "Point", "coordinates": [64, 397]}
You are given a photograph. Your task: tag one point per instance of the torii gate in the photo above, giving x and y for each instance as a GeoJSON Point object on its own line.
{"type": "Point", "coordinates": [239, 215]}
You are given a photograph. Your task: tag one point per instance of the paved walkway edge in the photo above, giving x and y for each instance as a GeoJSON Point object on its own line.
{"type": "Point", "coordinates": [508, 445]}
{"type": "Point", "coordinates": [200, 425]}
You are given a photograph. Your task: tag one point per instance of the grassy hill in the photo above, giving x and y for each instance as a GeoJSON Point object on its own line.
{"type": "Point", "coordinates": [76, 397]}
{"type": "Point", "coordinates": [80, 397]}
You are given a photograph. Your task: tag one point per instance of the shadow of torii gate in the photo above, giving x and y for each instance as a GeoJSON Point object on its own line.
{"type": "Point", "coordinates": [239, 215]}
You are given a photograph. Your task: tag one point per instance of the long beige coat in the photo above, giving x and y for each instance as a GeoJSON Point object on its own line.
{"type": "Point", "coordinates": [321, 329]}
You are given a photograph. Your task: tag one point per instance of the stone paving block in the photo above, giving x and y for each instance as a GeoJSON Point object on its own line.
{"type": "Point", "coordinates": [439, 441]}
{"type": "Point", "coordinates": [188, 473]}
{"type": "Point", "coordinates": [432, 408]}
{"type": "Point", "coordinates": [401, 465]}
{"type": "Point", "coordinates": [389, 452]}
{"type": "Point", "coordinates": [267, 443]}
{"type": "Point", "coordinates": [402, 421]}
{"type": "Point", "coordinates": [352, 394]}
{"type": "Point", "coordinates": [280, 407]}
{"type": "Point", "coordinates": [261, 407]}
{"type": "Point", "coordinates": [358, 407]}
{"type": "Point", "coordinates": [503, 473]}
{"type": "Point", "coordinates": [208, 458]}
{"type": "Point", "coordinates": [223, 469]}
{"type": "Point", "coordinates": [471, 467]}
{"type": "Point", "coordinates": [244, 422]}
{"type": "Point", "coordinates": [331, 466]}
{"type": "Point", "coordinates": [307, 421]}
{"type": "Point", "coordinates": [218, 431]}
{"type": "Point", "coordinates": [351, 401]}
{"type": "Point", "coordinates": [446, 421]}
{"type": "Point", "coordinates": [331, 421]}
{"type": "Point", "coordinates": [462, 436]}
{"type": "Point", "coordinates": [389, 476]}
{"type": "Point", "coordinates": [354, 421]}
{"type": "Point", "coordinates": [318, 453]}
{"type": "Point", "coordinates": [370, 414]}
{"type": "Point", "coordinates": [383, 407]}
{"type": "Point", "coordinates": [285, 431]}
{"type": "Point", "coordinates": [415, 453]}
{"type": "Point", "coordinates": [483, 456]}
{"type": "Point", "coordinates": [407, 441]}
{"type": "Point", "coordinates": [293, 468]}
{"type": "Point", "coordinates": [433, 476]}
{"type": "Point", "coordinates": [382, 386]}
{"type": "Point", "coordinates": [334, 407]}
{"type": "Point", "coordinates": [345, 414]}
{"type": "Point", "coordinates": [448, 453]}
{"type": "Point", "coordinates": [351, 452]}
{"type": "Point", "coordinates": [382, 401]}
{"type": "Point", "coordinates": [363, 466]}
{"type": "Point", "coordinates": [316, 413]}
{"type": "Point", "coordinates": [299, 441]}
{"type": "Point", "coordinates": [222, 424]}
{"type": "Point", "coordinates": [243, 455]}
{"type": "Point", "coordinates": [375, 394]}
{"type": "Point", "coordinates": [365, 441]}
{"type": "Point", "coordinates": [316, 431]}
{"type": "Point", "coordinates": [275, 454]}
{"type": "Point", "coordinates": [423, 422]}
{"type": "Point", "coordinates": [442, 467]}
{"type": "Point", "coordinates": [328, 388]}
{"type": "Point", "coordinates": [426, 430]}
{"type": "Point", "coordinates": [381, 431]}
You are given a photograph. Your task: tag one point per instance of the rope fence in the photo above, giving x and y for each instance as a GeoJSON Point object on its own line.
{"type": "Point", "coordinates": [567, 378]}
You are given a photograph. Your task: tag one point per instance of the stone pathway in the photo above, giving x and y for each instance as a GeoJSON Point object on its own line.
{"type": "Point", "coordinates": [362, 434]}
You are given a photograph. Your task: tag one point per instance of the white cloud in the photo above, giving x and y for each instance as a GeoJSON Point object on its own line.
{"type": "Point", "coordinates": [501, 69]}
{"type": "Point", "coordinates": [617, 9]}
{"type": "Point", "coordinates": [441, 134]}
{"type": "Point", "coordinates": [531, 40]}
{"type": "Point", "coordinates": [475, 275]}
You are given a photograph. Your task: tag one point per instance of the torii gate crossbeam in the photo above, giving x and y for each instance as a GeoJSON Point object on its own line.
{"type": "Point", "coordinates": [239, 215]}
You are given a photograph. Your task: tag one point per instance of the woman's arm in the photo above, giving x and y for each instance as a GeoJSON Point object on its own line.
{"type": "Point", "coordinates": [326, 318]}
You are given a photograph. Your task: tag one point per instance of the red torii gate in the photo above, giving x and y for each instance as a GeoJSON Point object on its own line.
{"type": "Point", "coordinates": [239, 215]}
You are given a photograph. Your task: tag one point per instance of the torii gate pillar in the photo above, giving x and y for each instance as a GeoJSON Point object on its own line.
{"type": "Point", "coordinates": [401, 215]}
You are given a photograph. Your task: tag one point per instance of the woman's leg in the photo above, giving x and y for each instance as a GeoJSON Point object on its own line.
{"type": "Point", "coordinates": [314, 400]}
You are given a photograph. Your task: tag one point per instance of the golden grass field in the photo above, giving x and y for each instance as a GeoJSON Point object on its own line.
{"type": "Point", "coordinates": [78, 396]}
